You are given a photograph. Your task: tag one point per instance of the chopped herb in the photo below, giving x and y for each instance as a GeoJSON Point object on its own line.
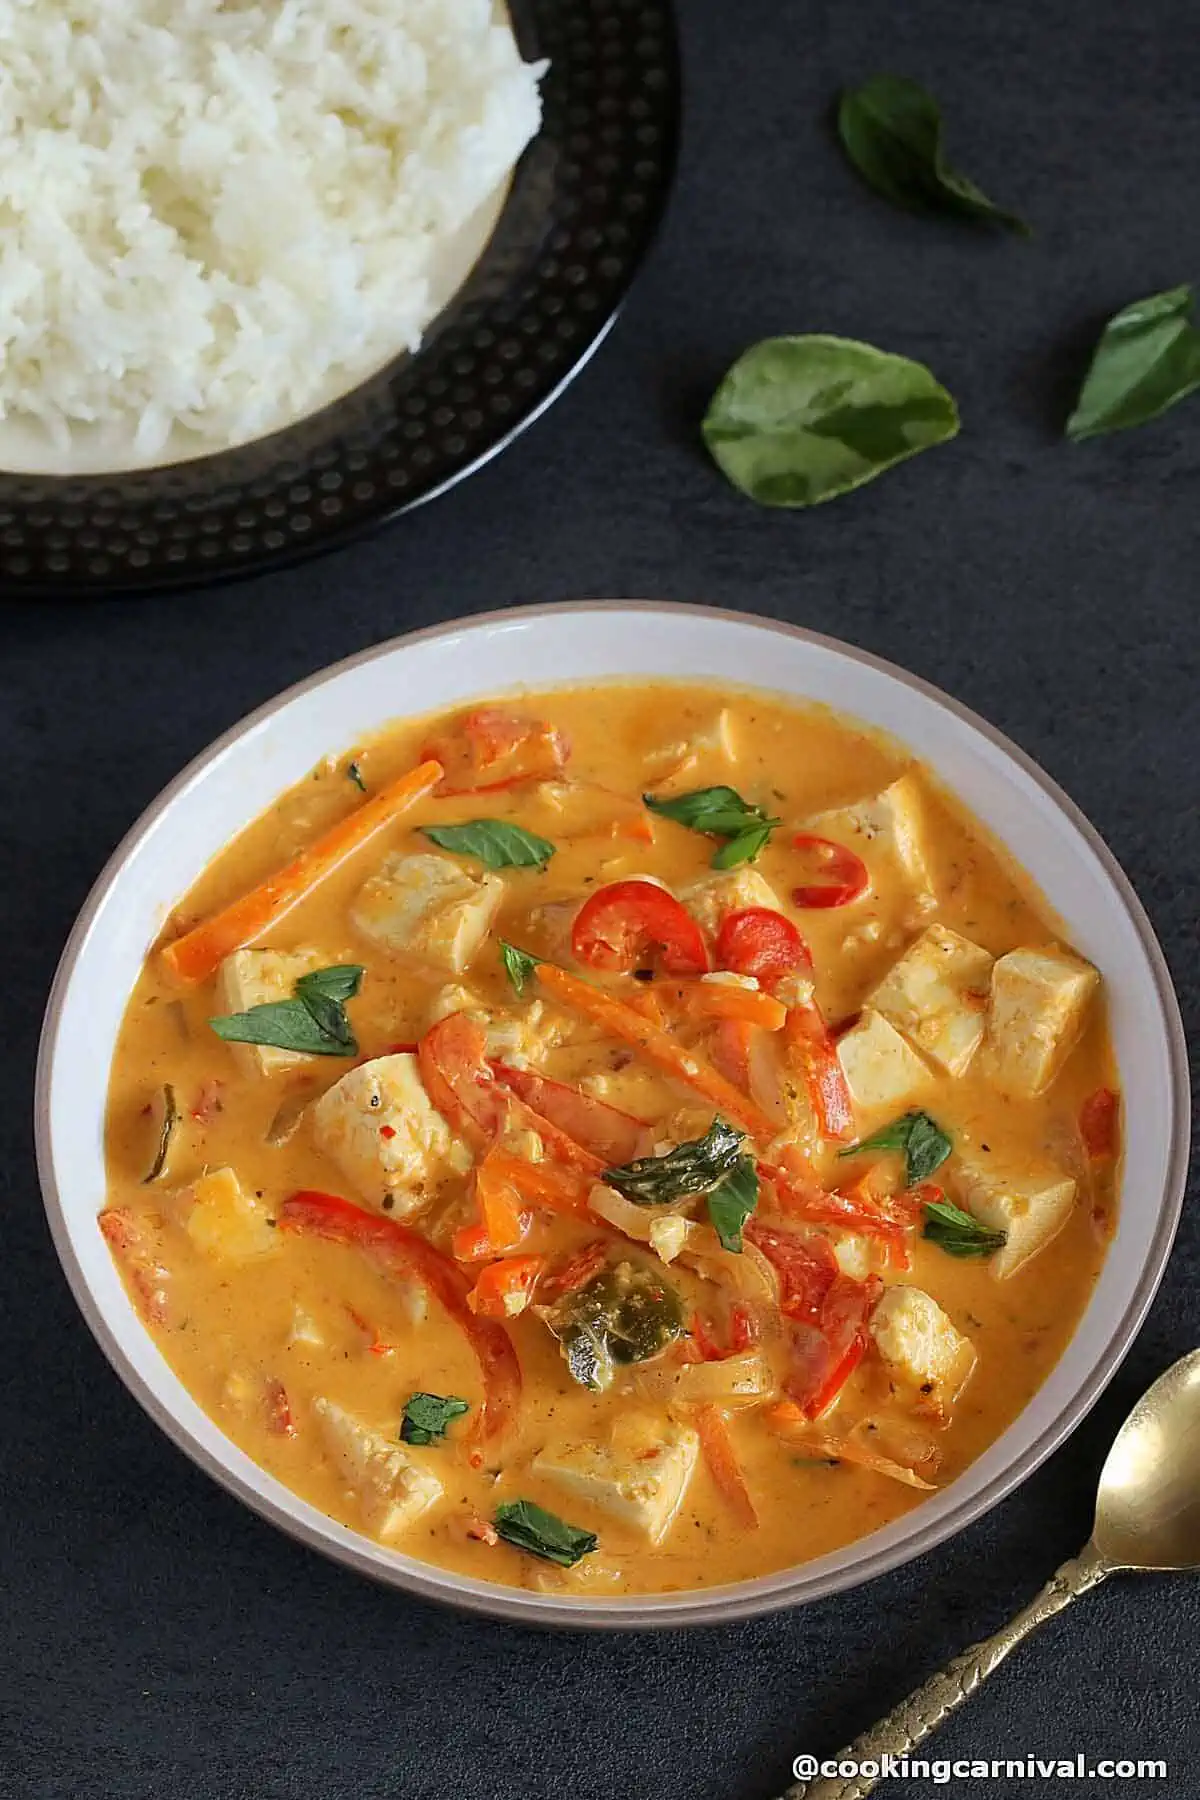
{"type": "Point", "coordinates": [691, 1168]}
{"type": "Point", "coordinates": [168, 1117]}
{"type": "Point", "coordinates": [493, 842]}
{"type": "Point", "coordinates": [959, 1233]}
{"type": "Point", "coordinates": [427, 1416]}
{"type": "Point", "coordinates": [354, 773]}
{"type": "Point", "coordinates": [530, 1527]}
{"type": "Point", "coordinates": [891, 130]}
{"type": "Point", "coordinates": [719, 812]}
{"type": "Point", "coordinates": [925, 1145]}
{"type": "Point", "coordinates": [732, 1201]}
{"type": "Point", "coordinates": [518, 965]}
{"type": "Point", "coordinates": [314, 1022]}
{"type": "Point", "coordinates": [1147, 360]}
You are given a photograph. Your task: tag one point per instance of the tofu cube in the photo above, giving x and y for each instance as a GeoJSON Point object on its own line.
{"type": "Point", "coordinates": [429, 910]}
{"type": "Point", "coordinates": [728, 890]}
{"type": "Point", "coordinates": [891, 822]}
{"type": "Point", "coordinates": [1031, 1208]}
{"type": "Point", "coordinates": [881, 1069]}
{"type": "Point", "coordinates": [1038, 1004]}
{"type": "Point", "coordinates": [223, 1221]}
{"type": "Point", "coordinates": [918, 1342]}
{"type": "Point", "coordinates": [857, 1255]}
{"type": "Point", "coordinates": [668, 764]}
{"type": "Point", "coordinates": [639, 1479]}
{"type": "Point", "coordinates": [254, 978]}
{"type": "Point", "coordinates": [937, 996]}
{"type": "Point", "coordinates": [392, 1488]}
{"type": "Point", "coordinates": [379, 1126]}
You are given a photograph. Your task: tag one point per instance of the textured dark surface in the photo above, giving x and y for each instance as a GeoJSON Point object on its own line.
{"type": "Point", "coordinates": [157, 1639]}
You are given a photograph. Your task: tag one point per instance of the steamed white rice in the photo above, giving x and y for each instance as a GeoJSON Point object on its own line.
{"type": "Point", "coordinates": [213, 215]}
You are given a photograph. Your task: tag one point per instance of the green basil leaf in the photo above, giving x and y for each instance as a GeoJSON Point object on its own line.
{"type": "Point", "coordinates": [732, 1201]}
{"type": "Point", "coordinates": [354, 774]}
{"type": "Point", "coordinates": [719, 812]}
{"type": "Point", "coordinates": [891, 130]}
{"type": "Point", "coordinates": [494, 842]}
{"type": "Point", "coordinates": [530, 1527]}
{"type": "Point", "coordinates": [427, 1416]}
{"type": "Point", "coordinates": [925, 1145]}
{"type": "Point", "coordinates": [800, 420]}
{"type": "Point", "coordinates": [1147, 360]}
{"type": "Point", "coordinates": [626, 1313]}
{"type": "Point", "coordinates": [959, 1233]}
{"type": "Point", "coordinates": [744, 847]}
{"type": "Point", "coordinates": [518, 965]}
{"type": "Point", "coordinates": [691, 1168]}
{"type": "Point", "coordinates": [341, 982]}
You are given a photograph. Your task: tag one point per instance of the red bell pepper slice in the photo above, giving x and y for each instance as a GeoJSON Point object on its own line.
{"type": "Point", "coordinates": [823, 1360]}
{"type": "Point", "coordinates": [847, 875]}
{"type": "Point", "coordinates": [614, 1136]}
{"type": "Point", "coordinates": [806, 1267]}
{"type": "Point", "coordinates": [758, 941]}
{"type": "Point", "coordinates": [398, 1250]}
{"type": "Point", "coordinates": [505, 1288]}
{"type": "Point", "coordinates": [491, 747]}
{"type": "Point", "coordinates": [628, 923]}
{"type": "Point", "coordinates": [811, 1048]}
{"type": "Point", "coordinates": [1099, 1124]}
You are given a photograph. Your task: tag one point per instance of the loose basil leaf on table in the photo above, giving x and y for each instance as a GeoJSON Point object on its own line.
{"type": "Point", "coordinates": [799, 420]}
{"type": "Point", "coordinates": [1147, 360]}
{"type": "Point", "coordinates": [518, 965]}
{"type": "Point", "coordinates": [732, 1202]}
{"type": "Point", "coordinates": [719, 812]}
{"type": "Point", "coordinates": [427, 1417]}
{"type": "Point", "coordinates": [925, 1145]}
{"type": "Point", "coordinates": [494, 842]}
{"type": "Point", "coordinates": [313, 1022]}
{"type": "Point", "coordinates": [960, 1233]}
{"type": "Point", "coordinates": [530, 1527]}
{"type": "Point", "coordinates": [891, 130]}
{"type": "Point", "coordinates": [690, 1168]}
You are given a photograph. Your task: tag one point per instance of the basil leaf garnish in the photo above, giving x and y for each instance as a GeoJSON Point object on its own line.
{"type": "Point", "coordinates": [691, 1168]}
{"type": "Point", "coordinates": [800, 420]}
{"type": "Point", "coordinates": [427, 1416]}
{"type": "Point", "coordinates": [925, 1145]}
{"type": "Point", "coordinates": [959, 1233]}
{"type": "Point", "coordinates": [530, 1527]}
{"type": "Point", "coordinates": [891, 130]}
{"type": "Point", "coordinates": [518, 965]}
{"type": "Point", "coordinates": [494, 842]}
{"type": "Point", "coordinates": [732, 1201]}
{"type": "Point", "coordinates": [313, 1023]}
{"type": "Point", "coordinates": [1147, 360]}
{"type": "Point", "coordinates": [719, 812]}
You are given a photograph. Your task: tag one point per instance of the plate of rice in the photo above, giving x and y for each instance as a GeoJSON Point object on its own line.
{"type": "Point", "coordinates": [273, 273]}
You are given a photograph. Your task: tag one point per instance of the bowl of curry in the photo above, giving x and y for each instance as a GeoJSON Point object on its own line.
{"type": "Point", "coordinates": [614, 1114]}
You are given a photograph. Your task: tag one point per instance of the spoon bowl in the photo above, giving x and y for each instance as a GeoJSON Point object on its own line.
{"type": "Point", "coordinates": [1148, 1505]}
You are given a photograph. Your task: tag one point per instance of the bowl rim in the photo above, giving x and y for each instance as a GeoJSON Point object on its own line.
{"type": "Point", "coordinates": [654, 1611]}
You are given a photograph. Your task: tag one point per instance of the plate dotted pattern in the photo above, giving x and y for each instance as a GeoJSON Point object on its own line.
{"type": "Point", "coordinates": [585, 201]}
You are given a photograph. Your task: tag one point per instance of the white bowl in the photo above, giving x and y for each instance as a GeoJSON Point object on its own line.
{"type": "Point", "coordinates": [244, 771]}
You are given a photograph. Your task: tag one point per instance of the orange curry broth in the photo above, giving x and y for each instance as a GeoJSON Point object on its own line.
{"type": "Point", "coordinates": [228, 1326]}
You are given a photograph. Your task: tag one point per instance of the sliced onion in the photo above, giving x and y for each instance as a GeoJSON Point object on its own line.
{"type": "Point", "coordinates": [746, 1274]}
{"type": "Point", "coordinates": [886, 1446]}
{"type": "Point", "coordinates": [634, 1221]}
{"type": "Point", "coordinates": [288, 1114]}
{"type": "Point", "coordinates": [743, 1380]}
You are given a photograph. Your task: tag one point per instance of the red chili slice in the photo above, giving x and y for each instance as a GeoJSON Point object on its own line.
{"type": "Point", "coordinates": [806, 1268]}
{"type": "Point", "coordinates": [491, 748]}
{"type": "Point", "coordinates": [846, 875]}
{"type": "Point", "coordinates": [759, 941]}
{"type": "Point", "coordinates": [624, 925]}
{"type": "Point", "coordinates": [811, 1048]}
{"type": "Point", "coordinates": [1099, 1120]}
{"type": "Point", "coordinates": [821, 1369]}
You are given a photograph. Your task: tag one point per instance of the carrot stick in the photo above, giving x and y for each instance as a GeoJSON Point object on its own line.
{"type": "Point", "coordinates": [200, 952]}
{"type": "Point", "coordinates": [684, 1065]}
{"type": "Point", "coordinates": [719, 1000]}
{"type": "Point", "coordinates": [723, 1465]}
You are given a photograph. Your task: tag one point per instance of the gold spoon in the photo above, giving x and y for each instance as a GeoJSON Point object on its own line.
{"type": "Point", "coordinates": [1147, 1520]}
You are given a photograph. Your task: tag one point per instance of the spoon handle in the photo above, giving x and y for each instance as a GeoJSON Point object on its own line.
{"type": "Point", "coordinates": [911, 1722]}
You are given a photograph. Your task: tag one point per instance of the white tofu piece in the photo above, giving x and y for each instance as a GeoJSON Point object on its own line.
{"type": "Point", "coordinates": [305, 1331]}
{"type": "Point", "coordinates": [937, 996]}
{"type": "Point", "coordinates": [223, 1221]}
{"type": "Point", "coordinates": [639, 1478]}
{"type": "Point", "coordinates": [1038, 1004]}
{"type": "Point", "coordinates": [255, 978]}
{"type": "Point", "coordinates": [1031, 1207]}
{"type": "Point", "coordinates": [857, 1255]}
{"type": "Point", "coordinates": [428, 909]}
{"type": "Point", "coordinates": [917, 1340]}
{"type": "Point", "coordinates": [683, 756]}
{"type": "Point", "coordinates": [392, 1487]}
{"type": "Point", "coordinates": [892, 821]}
{"type": "Point", "coordinates": [881, 1069]}
{"type": "Point", "coordinates": [729, 890]}
{"type": "Point", "coordinates": [380, 1127]}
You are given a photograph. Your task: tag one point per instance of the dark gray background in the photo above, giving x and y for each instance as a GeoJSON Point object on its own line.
{"type": "Point", "coordinates": [156, 1638]}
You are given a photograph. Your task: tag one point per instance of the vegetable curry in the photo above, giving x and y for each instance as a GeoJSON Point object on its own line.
{"type": "Point", "coordinates": [615, 1140]}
